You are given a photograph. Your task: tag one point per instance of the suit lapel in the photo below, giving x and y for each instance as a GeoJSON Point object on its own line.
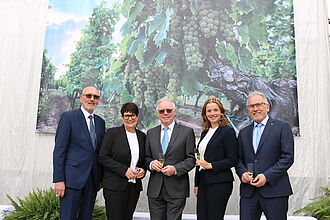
{"type": "Point", "coordinates": [216, 133]}
{"type": "Point", "coordinates": [157, 138]}
{"type": "Point", "coordinates": [269, 126]}
{"type": "Point", "coordinates": [122, 133]}
{"type": "Point", "coordinates": [83, 123]}
{"type": "Point", "coordinates": [250, 136]}
{"type": "Point", "coordinates": [175, 132]}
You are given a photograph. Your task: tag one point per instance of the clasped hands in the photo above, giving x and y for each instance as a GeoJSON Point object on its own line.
{"type": "Point", "coordinates": [259, 181]}
{"type": "Point", "coordinates": [203, 163]}
{"type": "Point", "coordinates": [168, 170]}
{"type": "Point", "coordinates": [133, 174]}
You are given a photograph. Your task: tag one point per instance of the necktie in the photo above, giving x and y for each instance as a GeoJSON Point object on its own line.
{"type": "Point", "coordinates": [258, 135]}
{"type": "Point", "coordinates": [165, 140]}
{"type": "Point", "coordinates": [92, 131]}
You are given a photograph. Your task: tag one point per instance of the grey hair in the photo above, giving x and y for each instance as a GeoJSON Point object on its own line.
{"type": "Point", "coordinates": [257, 93]}
{"type": "Point", "coordinates": [162, 100]}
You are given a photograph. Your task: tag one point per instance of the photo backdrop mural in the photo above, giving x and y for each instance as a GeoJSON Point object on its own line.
{"type": "Point", "coordinates": [186, 50]}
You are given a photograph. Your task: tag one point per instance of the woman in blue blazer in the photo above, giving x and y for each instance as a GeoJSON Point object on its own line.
{"type": "Point", "coordinates": [218, 150]}
{"type": "Point", "coordinates": [122, 157]}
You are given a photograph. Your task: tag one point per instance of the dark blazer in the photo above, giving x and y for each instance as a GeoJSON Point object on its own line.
{"type": "Point", "coordinates": [179, 153]}
{"type": "Point", "coordinates": [74, 156]}
{"type": "Point", "coordinates": [115, 156]}
{"type": "Point", "coordinates": [222, 152]}
{"type": "Point", "coordinates": [273, 158]}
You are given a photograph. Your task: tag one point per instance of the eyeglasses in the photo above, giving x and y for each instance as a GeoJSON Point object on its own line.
{"type": "Point", "coordinates": [162, 111]}
{"type": "Point", "coordinates": [132, 116]}
{"type": "Point", "coordinates": [258, 105]}
{"type": "Point", "coordinates": [89, 96]}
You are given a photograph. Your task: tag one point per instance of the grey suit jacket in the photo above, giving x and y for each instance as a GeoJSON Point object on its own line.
{"type": "Point", "coordinates": [179, 153]}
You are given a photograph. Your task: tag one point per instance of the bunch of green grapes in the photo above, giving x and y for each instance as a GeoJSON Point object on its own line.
{"type": "Point", "coordinates": [155, 81]}
{"type": "Point", "coordinates": [193, 56]}
{"type": "Point", "coordinates": [137, 82]}
{"type": "Point", "coordinates": [176, 25]}
{"type": "Point", "coordinates": [174, 84]}
{"type": "Point", "coordinates": [226, 26]}
{"type": "Point", "coordinates": [208, 18]}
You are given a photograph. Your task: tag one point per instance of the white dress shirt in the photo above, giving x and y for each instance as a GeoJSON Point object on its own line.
{"type": "Point", "coordinates": [134, 146]}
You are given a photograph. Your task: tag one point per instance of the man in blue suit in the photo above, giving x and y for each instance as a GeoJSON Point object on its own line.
{"type": "Point", "coordinates": [267, 145]}
{"type": "Point", "coordinates": [77, 173]}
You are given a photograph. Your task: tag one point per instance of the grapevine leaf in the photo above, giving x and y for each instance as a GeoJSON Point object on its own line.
{"type": "Point", "coordinates": [125, 96]}
{"type": "Point", "coordinates": [139, 53]}
{"type": "Point", "coordinates": [221, 50]}
{"type": "Point", "coordinates": [123, 45]}
{"type": "Point", "coordinates": [116, 65]}
{"type": "Point", "coordinates": [257, 32]}
{"type": "Point", "coordinates": [245, 58]}
{"type": "Point", "coordinates": [243, 32]}
{"type": "Point", "coordinates": [136, 11]}
{"type": "Point", "coordinates": [161, 56]}
{"type": "Point", "coordinates": [157, 21]}
{"type": "Point", "coordinates": [162, 33]}
{"type": "Point", "coordinates": [125, 8]}
{"type": "Point", "coordinates": [231, 55]}
{"type": "Point", "coordinates": [126, 28]}
{"type": "Point", "coordinates": [190, 84]}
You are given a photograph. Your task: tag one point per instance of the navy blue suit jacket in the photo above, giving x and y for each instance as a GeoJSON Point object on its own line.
{"type": "Point", "coordinates": [222, 152]}
{"type": "Point", "coordinates": [274, 156]}
{"type": "Point", "coordinates": [74, 156]}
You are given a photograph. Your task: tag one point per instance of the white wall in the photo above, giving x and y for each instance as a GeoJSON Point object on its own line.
{"type": "Point", "coordinates": [25, 156]}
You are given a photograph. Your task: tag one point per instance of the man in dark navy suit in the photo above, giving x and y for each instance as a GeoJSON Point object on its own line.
{"type": "Point", "coordinates": [267, 146]}
{"type": "Point", "coordinates": [77, 173]}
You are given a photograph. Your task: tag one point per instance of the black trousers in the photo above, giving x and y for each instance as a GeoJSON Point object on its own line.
{"type": "Point", "coordinates": [212, 200]}
{"type": "Point", "coordinates": [120, 205]}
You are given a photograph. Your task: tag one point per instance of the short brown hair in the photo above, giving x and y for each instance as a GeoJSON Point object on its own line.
{"type": "Point", "coordinates": [223, 119]}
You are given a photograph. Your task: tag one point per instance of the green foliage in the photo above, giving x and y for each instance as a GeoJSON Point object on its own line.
{"type": "Point", "coordinates": [47, 73]}
{"type": "Point", "coordinates": [42, 205]}
{"type": "Point", "coordinates": [93, 54]}
{"type": "Point", "coordinates": [320, 208]}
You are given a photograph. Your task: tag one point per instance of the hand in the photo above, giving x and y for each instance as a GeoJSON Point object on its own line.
{"type": "Point", "coordinates": [203, 163]}
{"type": "Point", "coordinates": [59, 189]}
{"type": "Point", "coordinates": [169, 170]}
{"type": "Point", "coordinates": [246, 178]}
{"type": "Point", "coordinates": [140, 171]}
{"type": "Point", "coordinates": [259, 181]}
{"type": "Point", "coordinates": [131, 174]}
{"type": "Point", "coordinates": [156, 165]}
{"type": "Point", "coordinates": [195, 191]}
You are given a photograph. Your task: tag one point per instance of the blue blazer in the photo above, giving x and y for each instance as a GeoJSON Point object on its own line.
{"type": "Point", "coordinates": [74, 156]}
{"type": "Point", "coordinates": [274, 156]}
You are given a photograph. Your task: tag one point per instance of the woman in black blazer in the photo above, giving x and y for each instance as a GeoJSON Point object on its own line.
{"type": "Point", "coordinates": [218, 150]}
{"type": "Point", "coordinates": [122, 157]}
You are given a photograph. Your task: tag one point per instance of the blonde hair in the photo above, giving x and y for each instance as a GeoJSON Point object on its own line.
{"type": "Point", "coordinates": [223, 120]}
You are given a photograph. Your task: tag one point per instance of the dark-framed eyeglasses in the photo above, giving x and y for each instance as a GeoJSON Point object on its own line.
{"type": "Point", "coordinates": [162, 111]}
{"type": "Point", "coordinates": [89, 96]}
{"type": "Point", "coordinates": [132, 116]}
{"type": "Point", "coordinates": [258, 105]}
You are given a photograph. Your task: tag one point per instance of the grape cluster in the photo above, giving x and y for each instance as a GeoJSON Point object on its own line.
{"type": "Point", "coordinates": [208, 19]}
{"type": "Point", "coordinates": [194, 58]}
{"type": "Point", "coordinates": [137, 80]}
{"type": "Point", "coordinates": [175, 26]}
{"type": "Point", "coordinates": [226, 27]}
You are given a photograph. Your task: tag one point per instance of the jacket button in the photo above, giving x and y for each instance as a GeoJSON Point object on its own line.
{"type": "Point", "coordinates": [255, 161]}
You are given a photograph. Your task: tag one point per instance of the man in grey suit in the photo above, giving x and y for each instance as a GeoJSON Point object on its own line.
{"type": "Point", "coordinates": [168, 185]}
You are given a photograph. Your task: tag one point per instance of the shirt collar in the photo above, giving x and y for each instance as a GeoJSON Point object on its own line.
{"type": "Point", "coordinates": [263, 122]}
{"type": "Point", "coordinates": [171, 126]}
{"type": "Point", "coordinates": [86, 113]}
